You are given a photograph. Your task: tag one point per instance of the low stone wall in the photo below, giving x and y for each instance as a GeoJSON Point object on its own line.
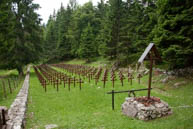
{"type": "Point", "coordinates": [16, 113]}
{"type": "Point", "coordinates": [133, 108]}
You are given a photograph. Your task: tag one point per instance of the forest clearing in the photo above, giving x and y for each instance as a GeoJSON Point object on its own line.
{"type": "Point", "coordinates": [99, 64]}
{"type": "Point", "coordinates": [91, 107]}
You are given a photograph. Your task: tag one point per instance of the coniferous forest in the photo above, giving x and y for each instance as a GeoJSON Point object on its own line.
{"type": "Point", "coordinates": [116, 30]}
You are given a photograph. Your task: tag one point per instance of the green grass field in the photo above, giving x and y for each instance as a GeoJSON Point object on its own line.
{"type": "Point", "coordinates": [15, 84]}
{"type": "Point", "coordinates": [91, 108]}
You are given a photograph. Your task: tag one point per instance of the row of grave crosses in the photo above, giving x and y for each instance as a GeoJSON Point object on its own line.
{"type": "Point", "coordinates": [55, 77]}
{"type": "Point", "coordinates": [50, 76]}
{"type": "Point", "coordinates": [95, 73]}
{"type": "Point", "coordinates": [81, 70]}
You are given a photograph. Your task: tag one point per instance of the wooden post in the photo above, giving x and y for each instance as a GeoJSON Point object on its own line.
{"type": "Point", "coordinates": [57, 82]}
{"type": "Point", "coordinates": [64, 82]}
{"type": "Point", "coordinates": [131, 80]}
{"type": "Point", "coordinates": [121, 78]}
{"type": "Point", "coordinates": [53, 81]}
{"type": "Point", "coordinates": [139, 77]}
{"type": "Point", "coordinates": [80, 84]}
{"type": "Point", "coordinates": [69, 81]}
{"type": "Point", "coordinates": [150, 75]}
{"type": "Point", "coordinates": [80, 81]}
{"type": "Point", "coordinates": [9, 86]}
{"type": "Point", "coordinates": [4, 89]}
{"type": "Point", "coordinates": [45, 85]}
{"type": "Point", "coordinates": [113, 99]}
{"type": "Point", "coordinates": [104, 82]}
{"type": "Point", "coordinates": [89, 76]}
{"type": "Point", "coordinates": [74, 81]}
{"type": "Point", "coordinates": [96, 79]}
{"type": "Point", "coordinates": [113, 81]}
{"type": "Point", "coordinates": [3, 117]}
{"type": "Point", "coordinates": [131, 77]}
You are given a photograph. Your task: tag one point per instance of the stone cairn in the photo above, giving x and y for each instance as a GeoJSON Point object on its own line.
{"type": "Point", "coordinates": [143, 108]}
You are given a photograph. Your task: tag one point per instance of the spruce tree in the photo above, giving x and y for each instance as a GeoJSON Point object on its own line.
{"type": "Point", "coordinates": [27, 36]}
{"type": "Point", "coordinates": [6, 31]}
{"type": "Point", "coordinates": [173, 33]}
{"type": "Point", "coordinates": [86, 49]}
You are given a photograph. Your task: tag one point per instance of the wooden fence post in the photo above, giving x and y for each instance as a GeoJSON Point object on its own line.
{"type": "Point", "coordinates": [9, 86]}
{"type": "Point", "coordinates": [113, 99]}
{"type": "Point", "coordinates": [4, 89]}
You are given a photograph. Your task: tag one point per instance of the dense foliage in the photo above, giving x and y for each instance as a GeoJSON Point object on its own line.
{"type": "Point", "coordinates": [20, 34]}
{"type": "Point", "coordinates": [114, 29]}
{"type": "Point", "coordinates": [120, 30]}
{"type": "Point", "coordinates": [174, 31]}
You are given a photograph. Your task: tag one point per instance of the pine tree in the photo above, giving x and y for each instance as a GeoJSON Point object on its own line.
{"type": "Point", "coordinates": [50, 42]}
{"type": "Point", "coordinates": [173, 33]}
{"type": "Point", "coordinates": [6, 31]}
{"type": "Point", "coordinates": [86, 49]}
{"type": "Point", "coordinates": [64, 23]}
{"type": "Point", "coordinates": [26, 44]}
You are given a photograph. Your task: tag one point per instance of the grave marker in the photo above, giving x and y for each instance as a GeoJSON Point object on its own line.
{"type": "Point", "coordinates": [150, 54]}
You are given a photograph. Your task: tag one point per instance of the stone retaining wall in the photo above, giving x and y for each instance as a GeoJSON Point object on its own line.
{"type": "Point", "coordinates": [16, 113]}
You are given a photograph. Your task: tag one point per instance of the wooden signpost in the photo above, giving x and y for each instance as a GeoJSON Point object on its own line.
{"type": "Point", "coordinates": [150, 54]}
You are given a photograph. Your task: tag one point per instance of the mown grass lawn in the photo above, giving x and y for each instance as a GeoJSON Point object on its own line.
{"type": "Point", "coordinates": [90, 108]}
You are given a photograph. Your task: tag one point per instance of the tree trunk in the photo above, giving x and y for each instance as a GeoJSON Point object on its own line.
{"type": "Point", "coordinates": [20, 71]}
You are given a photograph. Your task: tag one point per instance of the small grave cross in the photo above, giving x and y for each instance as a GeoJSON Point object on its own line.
{"type": "Point", "coordinates": [80, 82]}
{"type": "Point", "coordinates": [131, 78]}
{"type": "Point", "coordinates": [139, 76]}
{"type": "Point", "coordinates": [70, 80]}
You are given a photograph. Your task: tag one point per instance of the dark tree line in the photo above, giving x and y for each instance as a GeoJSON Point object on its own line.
{"type": "Point", "coordinates": [116, 29]}
{"type": "Point", "coordinates": [121, 29]}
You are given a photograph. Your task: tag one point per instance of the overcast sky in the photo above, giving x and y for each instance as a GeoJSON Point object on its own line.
{"type": "Point", "coordinates": [47, 6]}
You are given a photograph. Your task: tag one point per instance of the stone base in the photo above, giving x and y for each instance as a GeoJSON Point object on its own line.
{"type": "Point", "coordinates": [145, 109]}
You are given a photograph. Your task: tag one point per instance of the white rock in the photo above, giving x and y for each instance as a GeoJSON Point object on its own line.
{"type": "Point", "coordinates": [51, 126]}
{"type": "Point", "coordinates": [140, 105]}
{"type": "Point", "coordinates": [159, 105]}
{"type": "Point", "coordinates": [179, 84]}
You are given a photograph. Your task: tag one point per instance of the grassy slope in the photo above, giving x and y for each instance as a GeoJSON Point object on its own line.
{"type": "Point", "coordinates": [91, 107]}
